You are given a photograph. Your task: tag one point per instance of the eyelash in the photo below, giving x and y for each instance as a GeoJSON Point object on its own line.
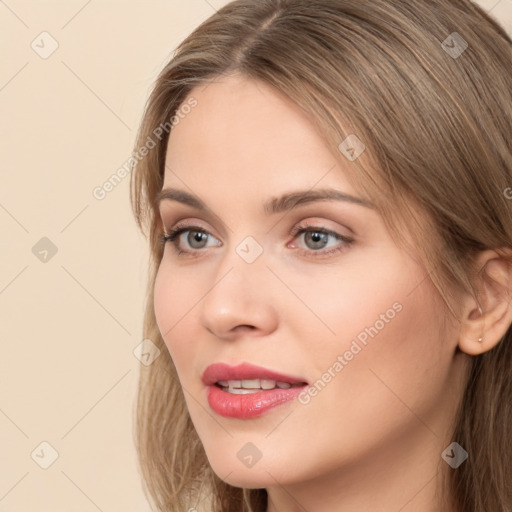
{"type": "Point", "coordinates": [295, 232]}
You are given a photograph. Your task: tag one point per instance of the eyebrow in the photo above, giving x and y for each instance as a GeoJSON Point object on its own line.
{"type": "Point", "coordinates": [272, 206]}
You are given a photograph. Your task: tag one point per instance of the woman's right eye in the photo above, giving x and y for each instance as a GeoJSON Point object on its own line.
{"type": "Point", "coordinates": [196, 238]}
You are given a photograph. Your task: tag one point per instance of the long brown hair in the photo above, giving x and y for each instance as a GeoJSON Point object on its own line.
{"type": "Point", "coordinates": [427, 87]}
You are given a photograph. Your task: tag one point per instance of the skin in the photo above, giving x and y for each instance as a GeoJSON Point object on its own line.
{"type": "Point", "coordinates": [372, 438]}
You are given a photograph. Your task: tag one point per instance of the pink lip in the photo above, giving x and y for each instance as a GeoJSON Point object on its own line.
{"type": "Point", "coordinates": [246, 406]}
{"type": "Point", "coordinates": [244, 371]}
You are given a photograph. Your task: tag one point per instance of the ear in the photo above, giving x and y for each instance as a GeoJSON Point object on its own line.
{"type": "Point", "coordinates": [484, 325]}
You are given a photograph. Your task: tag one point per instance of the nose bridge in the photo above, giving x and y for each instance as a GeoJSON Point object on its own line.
{"type": "Point", "coordinates": [242, 264]}
{"type": "Point", "coordinates": [239, 293]}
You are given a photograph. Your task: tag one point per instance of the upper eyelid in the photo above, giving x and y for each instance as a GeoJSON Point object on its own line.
{"type": "Point", "coordinates": [304, 210]}
{"type": "Point", "coordinates": [209, 218]}
{"type": "Point", "coordinates": [306, 224]}
{"type": "Point", "coordinates": [190, 226]}
{"type": "Point", "coordinates": [187, 226]}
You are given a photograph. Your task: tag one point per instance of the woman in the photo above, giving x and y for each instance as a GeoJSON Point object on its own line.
{"type": "Point", "coordinates": [325, 187]}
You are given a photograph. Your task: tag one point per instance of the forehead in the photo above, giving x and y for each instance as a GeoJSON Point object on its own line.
{"type": "Point", "coordinates": [241, 127]}
{"type": "Point", "coordinates": [234, 109]}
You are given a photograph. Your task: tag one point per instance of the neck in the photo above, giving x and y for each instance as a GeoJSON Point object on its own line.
{"type": "Point", "coordinates": [405, 476]}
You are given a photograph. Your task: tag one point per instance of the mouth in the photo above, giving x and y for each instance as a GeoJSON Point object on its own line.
{"type": "Point", "coordinates": [247, 391]}
{"type": "Point", "coordinates": [244, 387]}
{"type": "Point", "coordinates": [248, 376]}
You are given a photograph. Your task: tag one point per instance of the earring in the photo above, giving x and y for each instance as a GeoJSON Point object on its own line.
{"type": "Point", "coordinates": [481, 313]}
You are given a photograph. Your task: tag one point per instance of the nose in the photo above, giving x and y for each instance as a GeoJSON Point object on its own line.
{"type": "Point", "coordinates": [240, 300]}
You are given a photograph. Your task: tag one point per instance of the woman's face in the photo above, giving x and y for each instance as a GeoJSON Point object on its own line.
{"type": "Point", "coordinates": [338, 306]}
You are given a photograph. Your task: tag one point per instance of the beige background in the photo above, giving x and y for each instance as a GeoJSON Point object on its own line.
{"type": "Point", "coordinates": [69, 324]}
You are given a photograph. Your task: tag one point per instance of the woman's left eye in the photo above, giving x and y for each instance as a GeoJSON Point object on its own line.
{"type": "Point", "coordinates": [318, 241]}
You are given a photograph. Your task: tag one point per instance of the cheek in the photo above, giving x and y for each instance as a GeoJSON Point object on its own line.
{"type": "Point", "coordinates": [163, 301]}
{"type": "Point", "coordinates": [392, 358]}
{"type": "Point", "coordinates": [174, 299]}
{"type": "Point", "coordinates": [391, 380]}
{"type": "Point", "coordinates": [363, 300]}
{"type": "Point", "coordinates": [385, 339]}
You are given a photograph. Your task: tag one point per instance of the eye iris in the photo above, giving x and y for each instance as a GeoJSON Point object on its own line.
{"type": "Point", "coordinates": [196, 236]}
{"type": "Point", "coordinates": [318, 238]}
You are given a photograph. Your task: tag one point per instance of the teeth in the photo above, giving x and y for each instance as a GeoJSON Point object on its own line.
{"type": "Point", "coordinates": [267, 384]}
{"type": "Point", "coordinates": [241, 391]}
{"type": "Point", "coordinates": [252, 385]}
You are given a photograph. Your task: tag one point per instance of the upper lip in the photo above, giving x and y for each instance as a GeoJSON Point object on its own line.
{"type": "Point", "coordinates": [245, 371]}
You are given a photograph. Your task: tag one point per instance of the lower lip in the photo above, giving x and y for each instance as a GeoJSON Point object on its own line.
{"type": "Point", "coordinates": [250, 405]}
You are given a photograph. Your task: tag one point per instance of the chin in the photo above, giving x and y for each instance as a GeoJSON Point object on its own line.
{"type": "Point", "coordinates": [247, 478]}
{"type": "Point", "coordinates": [262, 474]}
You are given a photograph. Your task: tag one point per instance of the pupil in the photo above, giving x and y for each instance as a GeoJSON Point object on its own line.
{"type": "Point", "coordinates": [318, 238]}
{"type": "Point", "coordinates": [196, 237]}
